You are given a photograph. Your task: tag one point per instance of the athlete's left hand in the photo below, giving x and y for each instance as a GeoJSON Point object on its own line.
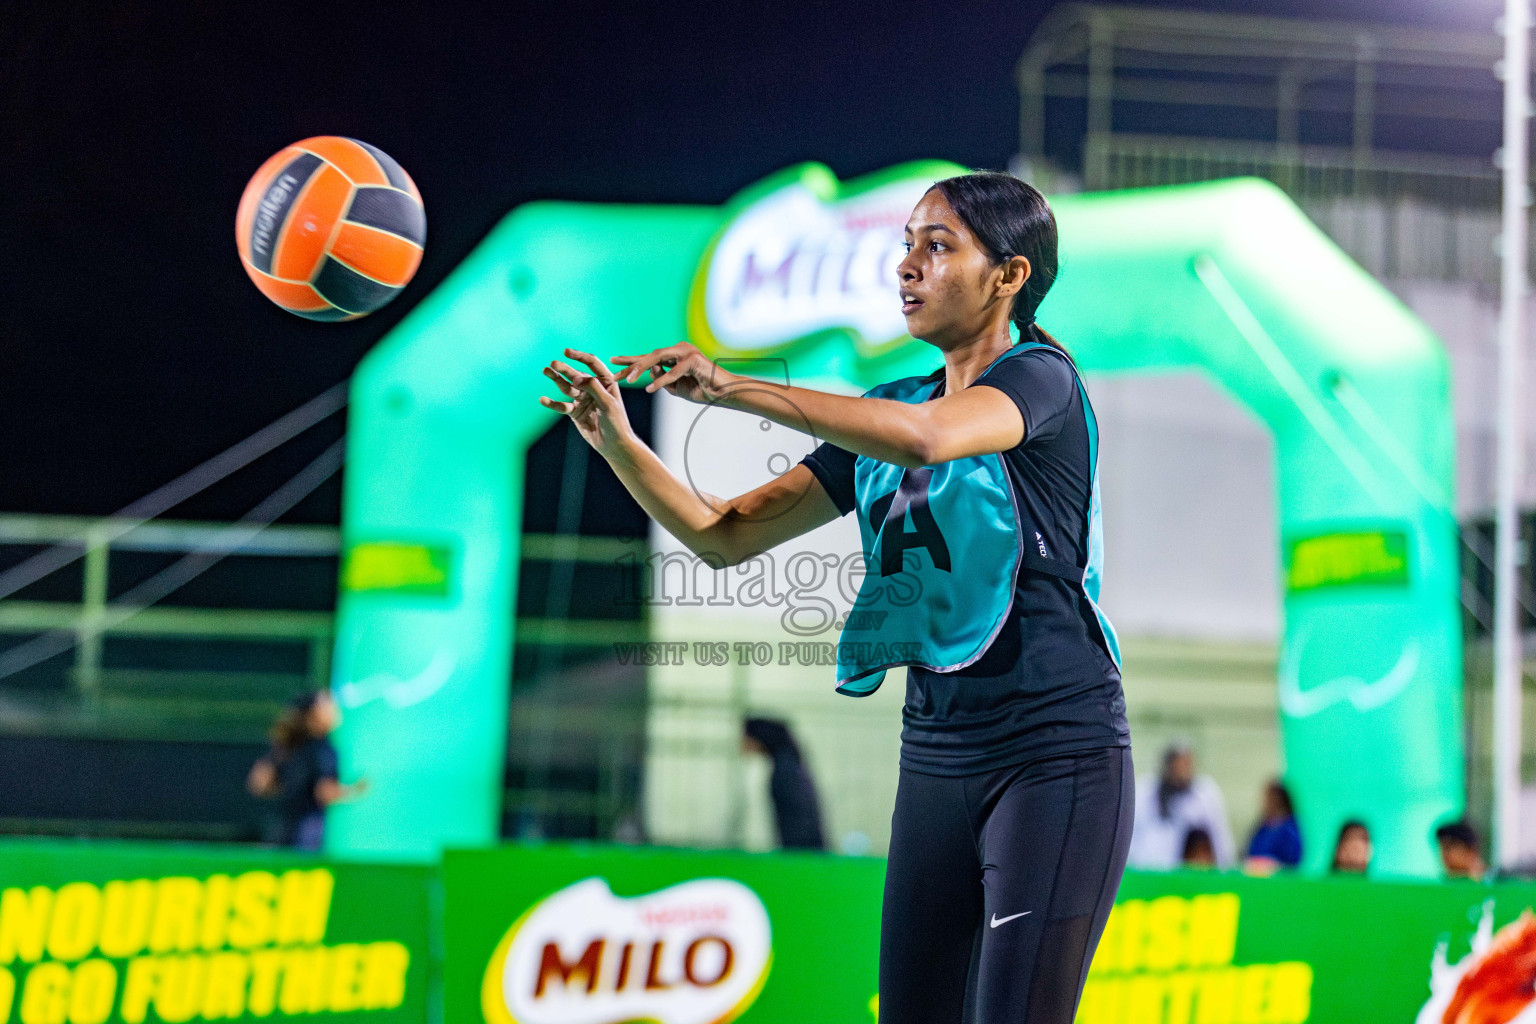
{"type": "Point", "coordinates": [682, 369]}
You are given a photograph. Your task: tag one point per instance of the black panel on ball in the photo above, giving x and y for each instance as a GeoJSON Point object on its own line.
{"type": "Point", "coordinates": [389, 210]}
{"type": "Point", "coordinates": [322, 314]}
{"type": "Point", "coordinates": [346, 289]}
{"type": "Point", "coordinates": [272, 211]}
{"type": "Point", "coordinates": [393, 171]}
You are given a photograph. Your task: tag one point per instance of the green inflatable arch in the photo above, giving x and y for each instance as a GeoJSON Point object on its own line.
{"type": "Point", "coordinates": [1228, 278]}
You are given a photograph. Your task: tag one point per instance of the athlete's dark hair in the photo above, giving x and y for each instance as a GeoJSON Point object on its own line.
{"type": "Point", "coordinates": [1010, 218]}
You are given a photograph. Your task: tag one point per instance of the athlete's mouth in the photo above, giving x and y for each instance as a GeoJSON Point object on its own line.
{"type": "Point", "coordinates": [909, 303]}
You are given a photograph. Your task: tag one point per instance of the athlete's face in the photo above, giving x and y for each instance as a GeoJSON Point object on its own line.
{"type": "Point", "coordinates": [951, 288]}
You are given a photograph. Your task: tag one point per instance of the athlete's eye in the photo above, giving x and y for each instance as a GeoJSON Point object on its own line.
{"type": "Point", "coordinates": [936, 246]}
{"type": "Point", "coordinates": [906, 246]}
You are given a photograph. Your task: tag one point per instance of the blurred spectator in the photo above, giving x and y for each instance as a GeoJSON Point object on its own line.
{"type": "Point", "coordinates": [1276, 843]}
{"type": "Point", "coordinates": [1352, 853]}
{"type": "Point", "coordinates": [1460, 851]}
{"type": "Point", "coordinates": [1199, 852]}
{"type": "Point", "coordinates": [1173, 804]}
{"type": "Point", "coordinates": [298, 774]}
{"type": "Point", "coordinates": [796, 811]}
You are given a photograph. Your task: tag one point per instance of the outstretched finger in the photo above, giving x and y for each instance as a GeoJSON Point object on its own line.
{"type": "Point", "coordinates": [580, 379]}
{"type": "Point", "coordinates": [563, 408]}
{"type": "Point", "coordinates": [628, 361]}
{"type": "Point", "coordinates": [566, 388]}
{"type": "Point", "coordinates": [671, 376]}
{"type": "Point", "coordinates": [639, 364]}
{"type": "Point", "coordinates": [634, 366]}
{"type": "Point", "coordinates": [601, 372]}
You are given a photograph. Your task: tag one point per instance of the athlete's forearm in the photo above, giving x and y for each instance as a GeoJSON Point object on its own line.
{"type": "Point", "coordinates": [891, 431]}
{"type": "Point", "coordinates": [671, 502]}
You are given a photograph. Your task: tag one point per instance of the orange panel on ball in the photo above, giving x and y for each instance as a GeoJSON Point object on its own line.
{"type": "Point", "coordinates": [310, 224]}
{"type": "Point", "coordinates": [385, 257]}
{"type": "Point", "coordinates": [291, 295]}
{"type": "Point", "coordinates": [351, 159]}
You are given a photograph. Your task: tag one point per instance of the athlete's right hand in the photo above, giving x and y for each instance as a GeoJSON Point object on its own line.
{"type": "Point", "coordinates": [595, 407]}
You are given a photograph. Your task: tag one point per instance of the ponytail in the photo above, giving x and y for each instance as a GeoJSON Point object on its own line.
{"type": "Point", "coordinates": [1029, 330]}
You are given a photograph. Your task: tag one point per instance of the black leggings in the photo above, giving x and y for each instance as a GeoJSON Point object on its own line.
{"type": "Point", "coordinates": [998, 887]}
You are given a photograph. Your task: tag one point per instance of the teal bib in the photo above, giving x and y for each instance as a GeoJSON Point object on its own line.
{"type": "Point", "coordinates": [943, 548]}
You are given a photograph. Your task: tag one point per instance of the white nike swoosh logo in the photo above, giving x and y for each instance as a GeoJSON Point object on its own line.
{"type": "Point", "coordinates": [1004, 920]}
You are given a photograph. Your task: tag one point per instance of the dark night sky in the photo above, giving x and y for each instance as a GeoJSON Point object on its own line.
{"type": "Point", "coordinates": [131, 344]}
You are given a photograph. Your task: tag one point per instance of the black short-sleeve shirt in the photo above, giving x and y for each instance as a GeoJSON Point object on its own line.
{"type": "Point", "coordinates": [1047, 685]}
{"type": "Point", "coordinates": [299, 772]}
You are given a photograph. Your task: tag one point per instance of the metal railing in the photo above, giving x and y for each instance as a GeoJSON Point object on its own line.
{"type": "Point", "coordinates": [1401, 216]}
{"type": "Point", "coordinates": [1307, 173]}
{"type": "Point", "coordinates": [95, 694]}
{"type": "Point", "coordinates": [88, 623]}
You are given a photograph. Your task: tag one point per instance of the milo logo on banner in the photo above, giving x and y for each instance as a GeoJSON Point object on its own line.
{"type": "Point", "coordinates": [696, 953]}
{"type": "Point", "coordinates": [803, 256]}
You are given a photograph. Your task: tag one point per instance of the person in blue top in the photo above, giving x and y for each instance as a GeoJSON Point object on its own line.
{"type": "Point", "coordinates": [1276, 843]}
{"type": "Point", "coordinates": [977, 502]}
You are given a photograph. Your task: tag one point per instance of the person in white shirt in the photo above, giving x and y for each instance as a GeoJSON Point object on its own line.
{"type": "Point", "coordinates": [1172, 804]}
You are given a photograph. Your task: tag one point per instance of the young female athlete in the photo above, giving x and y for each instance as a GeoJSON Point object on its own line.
{"type": "Point", "coordinates": [976, 482]}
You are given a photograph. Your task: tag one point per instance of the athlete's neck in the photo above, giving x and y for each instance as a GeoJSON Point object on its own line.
{"type": "Point", "coordinates": [964, 363]}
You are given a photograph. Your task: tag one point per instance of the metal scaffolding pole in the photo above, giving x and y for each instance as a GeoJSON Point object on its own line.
{"type": "Point", "coordinates": [1507, 654]}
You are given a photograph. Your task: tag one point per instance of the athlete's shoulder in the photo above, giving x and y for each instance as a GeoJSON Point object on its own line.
{"type": "Point", "coordinates": [1035, 366]}
{"type": "Point", "coordinates": [1036, 354]}
{"type": "Point", "coordinates": [905, 386]}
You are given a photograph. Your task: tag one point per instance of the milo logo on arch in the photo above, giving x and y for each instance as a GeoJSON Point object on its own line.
{"type": "Point", "coordinates": [695, 953]}
{"type": "Point", "coordinates": [803, 256]}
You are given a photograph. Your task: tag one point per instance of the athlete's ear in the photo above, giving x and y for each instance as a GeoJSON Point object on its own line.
{"type": "Point", "coordinates": [1014, 272]}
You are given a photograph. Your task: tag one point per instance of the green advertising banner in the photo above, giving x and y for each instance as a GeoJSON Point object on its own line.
{"type": "Point", "coordinates": [92, 933]}
{"type": "Point", "coordinates": [561, 935]}
{"type": "Point", "coordinates": [1211, 948]}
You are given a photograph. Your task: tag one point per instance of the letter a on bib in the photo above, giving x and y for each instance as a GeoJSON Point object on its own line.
{"type": "Point", "coordinates": [943, 547]}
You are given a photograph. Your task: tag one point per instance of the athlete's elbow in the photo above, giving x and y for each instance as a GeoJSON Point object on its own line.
{"type": "Point", "coordinates": [715, 544]}
{"type": "Point", "coordinates": [917, 452]}
{"type": "Point", "coordinates": [919, 444]}
{"type": "Point", "coordinates": [714, 551]}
